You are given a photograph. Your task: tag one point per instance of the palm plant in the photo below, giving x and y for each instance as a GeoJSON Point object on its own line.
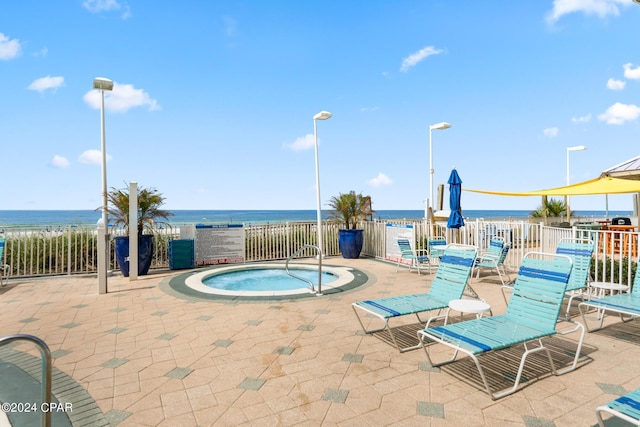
{"type": "Point", "coordinates": [350, 208]}
{"type": "Point", "coordinates": [149, 202]}
{"type": "Point", "coordinates": [550, 208]}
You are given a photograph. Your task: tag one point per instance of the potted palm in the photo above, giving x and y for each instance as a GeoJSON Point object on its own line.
{"type": "Point", "coordinates": [551, 209]}
{"type": "Point", "coordinates": [350, 209]}
{"type": "Point", "coordinates": [149, 203]}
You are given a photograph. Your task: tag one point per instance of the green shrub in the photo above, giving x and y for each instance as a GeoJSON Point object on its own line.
{"type": "Point", "coordinates": [613, 270]}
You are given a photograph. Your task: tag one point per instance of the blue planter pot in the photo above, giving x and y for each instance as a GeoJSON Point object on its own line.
{"type": "Point", "coordinates": [350, 242]}
{"type": "Point", "coordinates": [145, 253]}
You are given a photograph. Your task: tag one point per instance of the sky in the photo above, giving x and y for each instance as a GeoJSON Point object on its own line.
{"type": "Point", "coordinates": [213, 101]}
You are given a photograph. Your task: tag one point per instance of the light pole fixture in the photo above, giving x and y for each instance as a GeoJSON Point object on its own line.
{"type": "Point", "coordinates": [103, 84]}
{"type": "Point", "coordinates": [437, 126]}
{"type": "Point", "coordinates": [322, 115]}
{"type": "Point", "coordinates": [566, 198]}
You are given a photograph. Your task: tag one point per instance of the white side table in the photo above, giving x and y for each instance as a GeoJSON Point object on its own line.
{"type": "Point", "coordinates": [603, 287]}
{"type": "Point", "coordinates": [475, 306]}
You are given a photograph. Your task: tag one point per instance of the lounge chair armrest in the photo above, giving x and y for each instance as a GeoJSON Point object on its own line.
{"type": "Point", "coordinates": [488, 257]}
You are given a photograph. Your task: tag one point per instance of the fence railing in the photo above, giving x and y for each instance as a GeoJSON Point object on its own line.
{"type": "Point", "coordinates": [72, 250]}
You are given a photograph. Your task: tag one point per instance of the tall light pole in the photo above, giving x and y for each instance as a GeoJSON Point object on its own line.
{"type": "Point", "coordinates": [322, 115]}
{"type": "Point", "coordinates": [437, 126]}
{"type": "Point", "coordinates": [566, 198]}
{"type": "Point", "coordinates": [103, 84]}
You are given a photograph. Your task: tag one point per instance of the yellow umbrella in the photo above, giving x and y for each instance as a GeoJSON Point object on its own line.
{"type": "Point", "coordinates": [603, 185]}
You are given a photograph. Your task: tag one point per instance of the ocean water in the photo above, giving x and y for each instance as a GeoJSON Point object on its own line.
{"type": "Point", "coordinates": [15, 218]}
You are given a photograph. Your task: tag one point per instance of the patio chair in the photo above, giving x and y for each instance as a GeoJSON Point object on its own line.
{"type": "Point", "coordinates": [494, 259]}
{"type": "Point", "coordinates": [581, 253]}
{"type": "Point", "coordinates": [626, 303]}
{"type": "Point", "coordinates": [449, 283]}
{"type": "Point", "coordinates": [625, 407]}
{"type": "Point", "coordinates": [532, 314]}
{"type": "Point", "coordinates": [407, 253]}
{"type": "Point", "coordinates": [436, 246]}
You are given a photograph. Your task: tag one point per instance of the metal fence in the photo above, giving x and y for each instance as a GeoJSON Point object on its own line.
{"type": "Point", "coordinates": [73, 250]}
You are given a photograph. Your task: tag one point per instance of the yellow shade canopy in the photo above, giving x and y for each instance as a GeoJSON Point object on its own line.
{"type": "Point", "coordinates": [603, 185]}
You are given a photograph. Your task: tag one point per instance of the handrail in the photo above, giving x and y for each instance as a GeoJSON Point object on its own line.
{"type": "Point", "coordinates": [46, 371]}
{"type": "Point", "coordinates": [309, 282]}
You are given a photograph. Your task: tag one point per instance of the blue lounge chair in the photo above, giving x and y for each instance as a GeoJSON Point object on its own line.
{"type": "Point", "coordinates": [627, 303]}
{"type": "Point", "coordinates": [625, 407]}
{"type": "Point", "coordinates": [581, 253]}
{"type": "Point", "coordinates": [407, 253]}
{"type": "Point", "coordinates": [494, 259]}
{"type": "Point", "coordinates": [448, 284]}
{"type": "Point", "coordinates": [436, 246]}
{"type": "Point", "coordinates": [532, 314]}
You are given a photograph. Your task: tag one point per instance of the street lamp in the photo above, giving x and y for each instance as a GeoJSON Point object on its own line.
{"type": "Point", "coordinates": [322, 115]}
{"type": "Point", "coordinates": [566, 198]}
{"type": "Point", "coordinates": [437, 126]}
{"type": "Point", "coordinates": [103, 84]}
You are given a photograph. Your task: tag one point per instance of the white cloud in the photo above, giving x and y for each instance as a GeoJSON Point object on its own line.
{"type": "Point", "coordinates": [379, 180]}
{"type": "Point", "coordinates": [614, 84]}
{"type": "Point", "coordinates": [9, 48]}
{"type": "Point", "coordinates": [551, 132]}
{"type": "Point", "coordinates": [92, 157]}
{"type": "Point", "coordinates": [582, 119]}
{"type": "Point", "coordinates": [600, 8]}
{"type": "Point", "coordinates": [126, 14]}
{"type": "Point", "coordinates": [302, 143]}
{"type": "Point", "coordinates": [230, 26]}
{"type": "Point", "coordinates": [122, 98]}
{"type": "Point", "coordinates": [41, 52]}
{"type": "Point", "coordinates": [45, 83]}
{"type": "Point", "coordinates": [619, 113]}
{"type": "Point", "coordinates": [59, 162]}
{"type": "Point", "coordinates": [413, 59]}
{"type": "Point", "coordinates": [97, 6]}
{"type": "Point", "coordinates": [631, 73]}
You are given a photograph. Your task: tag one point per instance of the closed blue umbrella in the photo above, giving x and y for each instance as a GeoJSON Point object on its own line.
{"type": "Point", "coordinates": [455, 189]}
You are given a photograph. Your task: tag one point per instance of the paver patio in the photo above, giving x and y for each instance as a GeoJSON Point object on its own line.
{"type": "Point", "coordinates": [148, 356]}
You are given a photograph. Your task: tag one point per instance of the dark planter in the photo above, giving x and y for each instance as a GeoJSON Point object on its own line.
{"type": "Point", "coordinates": [145, 253]}
{"type": "Point", "coordinates": [350, 242]}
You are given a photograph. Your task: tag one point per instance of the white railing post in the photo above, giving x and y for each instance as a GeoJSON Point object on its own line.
{"type": "Point", "coordinates": [68, 251]}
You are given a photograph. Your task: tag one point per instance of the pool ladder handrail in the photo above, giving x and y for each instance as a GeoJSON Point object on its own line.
{"type": "Point", "coordinates": [46, 370]}
{"type": "Point", "coordinates": [309, 282]}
